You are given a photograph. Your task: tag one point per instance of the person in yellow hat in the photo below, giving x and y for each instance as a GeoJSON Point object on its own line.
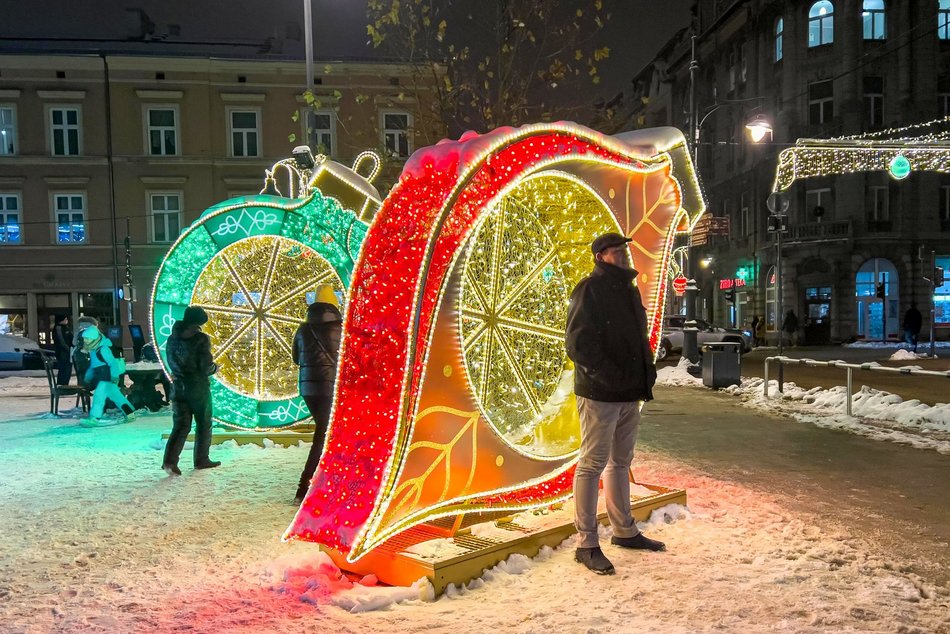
{"type": "Point", "coordinates": [316, 351]}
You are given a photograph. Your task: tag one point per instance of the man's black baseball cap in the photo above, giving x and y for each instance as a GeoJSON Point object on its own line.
{"type": "Point", "coordinates": [607, 241]}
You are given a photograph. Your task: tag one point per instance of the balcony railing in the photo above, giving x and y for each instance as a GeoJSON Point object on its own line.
{"type": "Point", "coordinates": [831, 230]}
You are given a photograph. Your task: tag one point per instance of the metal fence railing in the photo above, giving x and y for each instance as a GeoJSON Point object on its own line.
{"type": "Point", "coordinates": [849, 367]}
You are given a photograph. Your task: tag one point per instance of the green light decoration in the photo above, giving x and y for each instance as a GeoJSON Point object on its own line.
{"type": "Point", "coordinates": [899, 167]}
{"type": "Point", "coordinates": [254, 264]}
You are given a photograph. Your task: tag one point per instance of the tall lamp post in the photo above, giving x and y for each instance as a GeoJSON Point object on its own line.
{"type": "Point", "coordinates": [758, 128]}
{"type": "Point", "coordinates": [308, 43]}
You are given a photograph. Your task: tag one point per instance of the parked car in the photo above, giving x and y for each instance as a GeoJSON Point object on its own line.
{"type": "Point", "coordinates": [672, 337]}
{"type": "Point", "coordinates": [20, 353]}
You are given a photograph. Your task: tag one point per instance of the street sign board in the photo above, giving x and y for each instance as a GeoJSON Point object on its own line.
{"type": "Point", "coordinates": [719, 226]}
{"type": "Point", "coordinates": [700, 234]}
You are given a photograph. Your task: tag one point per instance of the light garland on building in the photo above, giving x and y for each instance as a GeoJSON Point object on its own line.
{"type": "Point", "coordinates": [883, 151]}
{"type": "Point", "coordinates": [451, 389]}
{"type": "Point", "coordinates": [254, 264]}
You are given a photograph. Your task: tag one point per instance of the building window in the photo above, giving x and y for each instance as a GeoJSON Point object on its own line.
{"type": "Point", "coordinates": [943, 95]}
{"type": "Point", "coordinates": [162, 131]}
{"type": "Point", "coordinates": [943, 20]}
{"type": "Point", "coordinates": [771, 323]}
{"type": "Point", "coordinates": [396, 127]}
{"type": "Point", "coordinates": [70, 210]}
{"type": "Point", "coordinates": [745, 215]}
{"type": "Point", "coordinates": [245, 133]}
{"type": "Point", "coordinates": [165, 209]}
{"type": "Point", "coordinates": [873, 102]}
{"type": "Point", "coordinates": [323, 131]}
{"type": "Point", "coordinates": [942, 294]}
{"type": "Point", "coordinates": [65, 137]}
{"type": "Point", "coordinates": [7, 130]}
{"type": "Point", "coordinates": [873, 15]}
{"type": "Point", "coordinates": [733, 69]}
{"type": "Point", "coordinates": [9, 219]}
{"type": "Point", "coordinates": [819, 205]}
{"type": "Point", "coordinates": [821, 24]}
{"type": "Point", "coordinates": [879, 209]}
{"type": "Point", "coordinates": [821, 102]}
{"type": "Point", "coordinates": [779, 32]}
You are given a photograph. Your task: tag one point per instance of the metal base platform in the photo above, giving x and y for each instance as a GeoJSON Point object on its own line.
{"type": "Point", "coordinates": [466, 555]}
{"type": "Point", "coordinates": [284, 438]}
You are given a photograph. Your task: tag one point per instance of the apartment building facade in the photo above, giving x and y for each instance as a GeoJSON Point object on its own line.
{"type": "Point", "coordinates": [814, 69]}
{"type": "Point", "coordinates": [103, 149]}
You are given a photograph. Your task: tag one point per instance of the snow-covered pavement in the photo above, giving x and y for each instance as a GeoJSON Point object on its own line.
{"type": "Point", "coordinates": [94, 537]}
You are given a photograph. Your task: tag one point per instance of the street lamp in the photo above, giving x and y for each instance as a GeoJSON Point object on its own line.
{"type": "Point", "coordinates": [758, 128]}
{"type": "Point", "coordinates": [308, 44]}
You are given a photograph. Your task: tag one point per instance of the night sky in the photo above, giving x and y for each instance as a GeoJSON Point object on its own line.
{"type": "Point", "coordinates": [636, 32]}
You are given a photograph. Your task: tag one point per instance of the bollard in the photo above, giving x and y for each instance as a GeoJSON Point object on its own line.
{"type": "Point", "coordinates": [847, 407]}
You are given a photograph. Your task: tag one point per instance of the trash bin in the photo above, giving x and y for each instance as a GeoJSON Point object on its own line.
{"type": "Point", "coordinates": [722, 364]}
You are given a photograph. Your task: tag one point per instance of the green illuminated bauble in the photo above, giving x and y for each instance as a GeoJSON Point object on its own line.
{"type": "Point", "coordinates": [899, 167]}
{"type": "Point", "coordinates": [254, 265]}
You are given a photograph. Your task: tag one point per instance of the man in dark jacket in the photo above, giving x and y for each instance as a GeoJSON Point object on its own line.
{"type": "Point", "coordinates": [913, 322]}
{"type": "Point", "coordinates": [316, 351]}
{"type": "Point", "coordinates": [62, 342]}
{"type": "Point", "coordinates": [188, 351]}
{"type": "Point", "coordinates": [613, 372]}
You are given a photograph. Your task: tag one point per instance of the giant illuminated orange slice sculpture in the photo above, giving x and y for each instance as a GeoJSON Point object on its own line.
{"type": "Point", "coordinates": [454, 393]}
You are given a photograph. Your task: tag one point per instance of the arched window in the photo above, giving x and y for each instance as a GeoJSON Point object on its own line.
{"type": "Point", "coordinates": [877, 290]}
{"type": "Point", "coordinates": [821, 24]}
{"type": "Point", "coordinates": [873, 16]}
{"type": "Point", "coordinates": [771, 323]}
{"type": "Point", "coordinates": [943, 20]}
{"type": "Point", "coordinates": [779, 30]}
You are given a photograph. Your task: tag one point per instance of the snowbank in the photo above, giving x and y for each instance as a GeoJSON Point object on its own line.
{"type": "Point", "coordinates": [876, 414]}
{"type": "Point", "coordinates": [893, 344]}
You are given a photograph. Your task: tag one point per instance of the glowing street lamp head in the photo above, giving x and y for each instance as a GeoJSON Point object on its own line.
{"type": "Point", "coordinates": [758, 128]}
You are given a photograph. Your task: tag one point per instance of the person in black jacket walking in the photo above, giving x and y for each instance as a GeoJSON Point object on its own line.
{"type": "Point", "coordinates": [62, 341]}
{"type": "Point", "coordinates": [913, 322]}
{"type": "Point", "coordinates": [188, 352]}
{"type": "Point", "coordinates": [613, 373]}
{"type": "Point", "coordinates": [316, 351]}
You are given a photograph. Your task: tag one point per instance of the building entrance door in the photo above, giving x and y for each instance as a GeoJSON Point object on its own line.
{"type": "Point", "coordinates": [817, 317]}
{"type": "Point", "coordinates": [878, 299]}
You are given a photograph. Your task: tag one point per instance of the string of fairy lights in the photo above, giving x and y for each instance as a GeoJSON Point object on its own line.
{"type": "Point", "coordinates": [891, 151]}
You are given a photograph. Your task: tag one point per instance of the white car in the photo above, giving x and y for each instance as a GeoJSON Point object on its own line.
{"type": "Point", "coordinates": [20, 353]}
{"type": "Point", "coordinates": [672, 337]}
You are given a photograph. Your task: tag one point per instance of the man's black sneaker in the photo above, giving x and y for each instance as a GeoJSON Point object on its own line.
{"type": "Point", "coordinates": [211, 464]}
{"type": "Point", "coordinates": [171, 469]}
{"type": "Point", "coordinates": [638, 542]}
{"type": "Point", "coordinates": [595, 560]}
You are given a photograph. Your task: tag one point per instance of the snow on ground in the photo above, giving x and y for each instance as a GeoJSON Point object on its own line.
{"type": "Point", "coordinates": [907, 355]}
{"type": "Point", "coordinates": [876, 414]}
{"type": "Point", "coordinates": [95, 538]}
{"type": "Point", "coordinates": [893, 344]}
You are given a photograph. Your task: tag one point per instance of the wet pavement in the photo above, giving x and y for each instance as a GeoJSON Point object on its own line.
{"type": "Point", "coordinates": [896, 496]}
